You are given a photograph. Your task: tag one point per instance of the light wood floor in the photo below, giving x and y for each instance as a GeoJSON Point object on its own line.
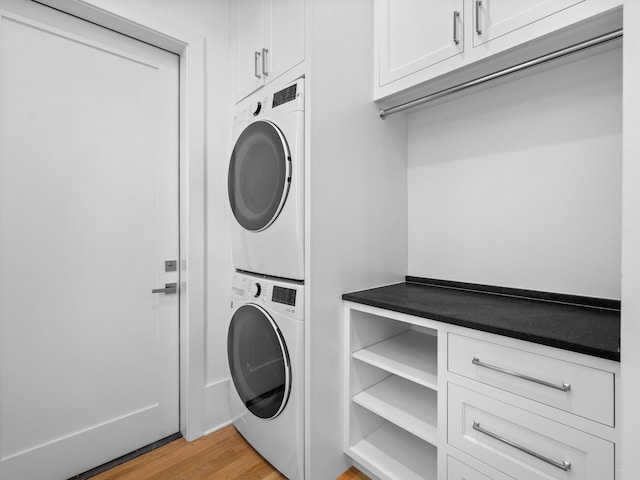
{"type": "Point", "coordinates": [222, 455]}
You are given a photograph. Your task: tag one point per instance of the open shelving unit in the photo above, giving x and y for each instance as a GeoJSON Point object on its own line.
{"type": "Point", "coordinates": [391, 394]}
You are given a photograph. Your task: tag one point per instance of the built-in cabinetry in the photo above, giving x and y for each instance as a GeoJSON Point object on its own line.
{"type": "Point", "coordinates": [269, 41]}
{"type": "Point", "coordinates": [410, 39]}
{"type": "Point", "coordinates": [529, 412]}
{"type": "Point", "coordinates": [431, 400]}
{"type": "Point", "coordinates": [416, 41]}
{"type": "Point", "coordinates": [492, 19]}
{"type": "Point", "coordinates": [392, 404]}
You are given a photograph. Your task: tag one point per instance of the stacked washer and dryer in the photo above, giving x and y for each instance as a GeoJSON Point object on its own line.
{"type": "Point", "coordinates": [265, 342]}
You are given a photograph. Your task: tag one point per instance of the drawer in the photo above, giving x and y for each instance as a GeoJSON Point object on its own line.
{"type": "Point", "coordinates": [456, 470]}
{"type": "Point", "coordinates": [522, 444]}
{"type": "Point", "coordinates": [588, 392]}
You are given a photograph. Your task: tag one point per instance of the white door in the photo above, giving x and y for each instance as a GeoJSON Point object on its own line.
{"type": "Point", "coordinates": [88, 216]}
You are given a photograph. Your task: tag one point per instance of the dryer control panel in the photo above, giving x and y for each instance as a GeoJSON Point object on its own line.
{"type": "Point", "coordinates": [285, 95]}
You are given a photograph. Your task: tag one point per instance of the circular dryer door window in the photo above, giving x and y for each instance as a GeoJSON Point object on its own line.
{"type": "Point", "coordinates": [259, 361]}
{"type": "Point", "coordinates": [259, 175]}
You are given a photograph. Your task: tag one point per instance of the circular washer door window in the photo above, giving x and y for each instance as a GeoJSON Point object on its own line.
{"type": "Point", "coordinates": [259, 175]}
{"type": "Point", "coordinates": [259, 361]}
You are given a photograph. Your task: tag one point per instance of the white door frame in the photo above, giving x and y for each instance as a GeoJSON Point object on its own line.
{"type": "Point", "coordinates": [146, 26]}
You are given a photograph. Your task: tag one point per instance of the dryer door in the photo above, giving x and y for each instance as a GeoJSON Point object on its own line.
{"type": "Point", "coordinates": [259, 175]}
{"type": "Point", "coordinates": [259, 361]}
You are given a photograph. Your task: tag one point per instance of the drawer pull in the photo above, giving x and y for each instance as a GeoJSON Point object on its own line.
{"type": "Point", "coordinates": [566, 466]}
{"type": "Point", "coordinates": [565, 387]}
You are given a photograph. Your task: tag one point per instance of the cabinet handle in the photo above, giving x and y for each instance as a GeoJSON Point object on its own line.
{"type": "Point", "coordinates": [478, 28]}
{"type": "Point", "coordinates": [456, 16]}
{"type": "Point", "coordinates": [256, 73]}
{"type": "Point", "coordinates": [565, 387]}
{"type": "Point", "coordinates": [566, 466]}
{"type": "Point", "coordinates": [265, 70]}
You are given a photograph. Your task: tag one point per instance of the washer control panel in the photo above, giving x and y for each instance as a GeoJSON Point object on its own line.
{"type": "Point", "coordinates": [278, 295]}
{"type": "Point", "coordinates": [286, 296]}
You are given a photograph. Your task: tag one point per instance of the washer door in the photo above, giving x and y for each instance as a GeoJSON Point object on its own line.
{"type": "Point", "coordinates": [259, 361]}
{"type": "Point", "coordinates": [259, 175]}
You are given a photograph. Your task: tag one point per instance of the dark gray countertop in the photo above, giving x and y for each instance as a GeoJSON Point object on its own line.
{"type": "Point", "coordinates": [579, 324]}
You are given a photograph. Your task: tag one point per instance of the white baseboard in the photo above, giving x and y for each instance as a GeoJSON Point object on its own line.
{"type": "Point", "coordinates": [217, 412]}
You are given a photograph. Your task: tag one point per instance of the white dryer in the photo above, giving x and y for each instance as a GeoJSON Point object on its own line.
{"type": "Point", "coordinates": [266, 184]}
{"type": "Point", "coordinates": [265, 349]}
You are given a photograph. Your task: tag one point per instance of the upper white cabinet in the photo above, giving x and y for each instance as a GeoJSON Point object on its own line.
{"type": "Point", "coordinates": [494, 18]}
{"type": "Point", "coordinates": [415, 34]}
{"type": "Point", "coordinates": [416, 41]}
{"type": "Point", "coordinates": [269, 40]}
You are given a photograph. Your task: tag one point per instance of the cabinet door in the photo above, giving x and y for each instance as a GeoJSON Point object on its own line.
{"type": "Point", "coordinates": [284, 36]}
{"type": "Point", "coordinates": [250, 41]}
{"type": "Point", "coordinates": [494, 18]}
{"type": "Point", "coordinates": [415, 34]}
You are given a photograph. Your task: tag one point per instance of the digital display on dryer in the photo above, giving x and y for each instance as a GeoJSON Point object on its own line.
{"type": "Point", "coordinates": [284, 96]}
{"type": "Point", "coordinates": [286, 296]}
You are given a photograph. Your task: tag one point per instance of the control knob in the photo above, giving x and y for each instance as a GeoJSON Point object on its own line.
{"type": "Point", "coordinates": [255, 289]}
{"type": "Point", "coordinates": [255, 109]}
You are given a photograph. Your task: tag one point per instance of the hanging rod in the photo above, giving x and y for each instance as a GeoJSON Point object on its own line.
{"type": "Point", "coordinates": [384, 113]}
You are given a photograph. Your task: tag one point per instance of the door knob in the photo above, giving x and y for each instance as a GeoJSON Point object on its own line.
{"type": "Point", "coordinates": [168, 288]}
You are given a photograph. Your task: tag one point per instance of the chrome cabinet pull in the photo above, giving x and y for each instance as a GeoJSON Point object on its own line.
{"type": "Point", "coordinates": [478, 28]}
{"type": "Point", "coordinates": [168, 289]}
{"type": "Point", "coordinates": [265, 70]}
{"type": "Point", "coordinates": [566, 466]}
{"type": "Point", "coordinates": [565, 387]}
{"type": "Point", "coordinates": [456, 16]}
{"type": "Point", "coordinates": [256, 73]}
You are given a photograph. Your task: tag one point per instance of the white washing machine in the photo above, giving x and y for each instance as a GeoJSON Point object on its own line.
{"type": "Point", "coordinates": [266, 183]}
{"type": "Point", "coordinates": [265, 349]}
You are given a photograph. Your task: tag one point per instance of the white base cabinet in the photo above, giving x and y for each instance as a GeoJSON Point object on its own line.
{"type": "Point", "coordinates": [428, 400]}
{"type": "Point", "coordinates": [522, 444]}
{"type": "Point", "coordinates": [456, 470]}
{"type": "Point", "coordinates": [392, 405]}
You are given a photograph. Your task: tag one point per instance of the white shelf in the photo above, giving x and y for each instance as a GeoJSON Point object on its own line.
{"type": "Point", "coordinates": [404, 403]}
{"type": "Point", "coordinates": [393, 454]}
{"type": "Point", "coordinates": [411, 355]}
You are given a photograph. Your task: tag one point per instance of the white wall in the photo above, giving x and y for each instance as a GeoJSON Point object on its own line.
{"type": "Point", "coordinates": [356, 207]}
{"type": "Point", "coordinates": [630, 335]}
{"type": "Point", "coordinates": [519, 184]}
{"type": "Point", "coordinates": [210, 20]}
